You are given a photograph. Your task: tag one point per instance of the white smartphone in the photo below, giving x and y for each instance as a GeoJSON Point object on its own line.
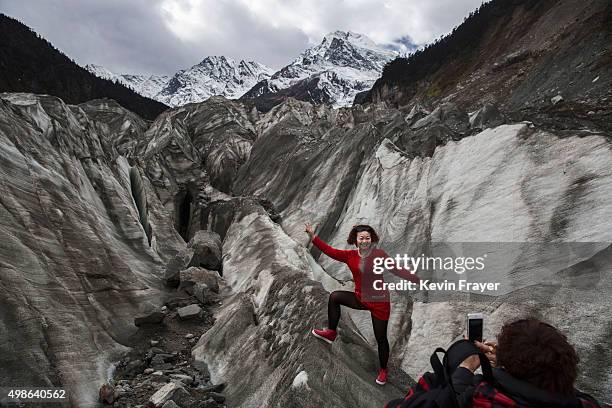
{"type": "Point", "coordinates": [475, 326]}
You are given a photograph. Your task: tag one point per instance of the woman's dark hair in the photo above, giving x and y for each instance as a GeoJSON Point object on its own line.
{"type": "Point", "coordinates": [536, 352]}
{"type": "Point", "coordinates": [352, 238]}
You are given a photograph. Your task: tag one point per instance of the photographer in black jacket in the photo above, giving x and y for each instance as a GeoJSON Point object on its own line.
{"type": "Point", "coordinates": [534, 366]}
{"type": "Point", "coordinates": [531, 365]}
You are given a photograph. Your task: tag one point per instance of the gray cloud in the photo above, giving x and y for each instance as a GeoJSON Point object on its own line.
{"type": "Point", "coordinates": [404, 45]}
{"type": "Point", "coordinates": [163, 36]}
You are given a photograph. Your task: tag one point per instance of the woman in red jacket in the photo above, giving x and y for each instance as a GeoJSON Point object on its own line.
{"type": "Point", "coordinates": [365, 297]}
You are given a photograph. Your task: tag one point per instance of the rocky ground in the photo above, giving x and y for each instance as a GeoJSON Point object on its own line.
{"type": "Point", "coordinates": [159, 371]}
{"type": "Point", "coordinates": [161, 355]}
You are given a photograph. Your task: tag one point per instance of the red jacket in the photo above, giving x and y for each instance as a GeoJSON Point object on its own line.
{"type": "Point", "coordinates": [363, 272]}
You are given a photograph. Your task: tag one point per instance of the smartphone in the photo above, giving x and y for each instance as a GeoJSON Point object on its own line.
{"type": "Point", "coordinates": [475, 326]}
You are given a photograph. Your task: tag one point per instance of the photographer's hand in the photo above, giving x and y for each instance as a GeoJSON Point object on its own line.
{"type": "Point", "coordinates": [489, 348]}
{"type": "Point", "coordinates": [471, 363]}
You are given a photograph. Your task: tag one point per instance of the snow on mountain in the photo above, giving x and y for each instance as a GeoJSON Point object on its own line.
{"type": "Point", "coordinates": [333, 72]}
{"type": "Point", "coordinates": [101, 72]}
{"type": "Point", "coordinates": [215, 75]}
{"type": "Point", "coordinates": [148, 86]}
{"type": "Point", "coordinates": [342, 65]}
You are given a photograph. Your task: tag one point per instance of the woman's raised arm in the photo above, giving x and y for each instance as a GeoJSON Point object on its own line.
{"type": "Point", "coordinates": [341, 255]}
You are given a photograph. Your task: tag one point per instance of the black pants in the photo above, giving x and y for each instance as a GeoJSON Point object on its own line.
{"type": "Point", "coordinates": [345, 298]}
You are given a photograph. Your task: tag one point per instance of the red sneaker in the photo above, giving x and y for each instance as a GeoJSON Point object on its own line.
{"type": "Point", "coordinates": [327, 335]}
{"type": "Point", "coordinates": [382, 376]}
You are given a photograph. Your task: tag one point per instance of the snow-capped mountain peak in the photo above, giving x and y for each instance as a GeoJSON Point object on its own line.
{"type": "Point", "coordinates": [343, 64]}
{"type": "Point", "coordinates": [341, 48]}
{"type": "Point", "coordinates": [214, 75]}
{"type": "Point", "coordinates": [148, 86]}
{"type": "Point", "coordinates": [101, 72]}
{"type": "Point", "coordinates": [351, 37]}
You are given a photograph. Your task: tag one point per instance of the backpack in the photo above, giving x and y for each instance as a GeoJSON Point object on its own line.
{"type": "Point", "coordinates": [488, 396]}
{"type": "Point", "coordinates": [435, 390]}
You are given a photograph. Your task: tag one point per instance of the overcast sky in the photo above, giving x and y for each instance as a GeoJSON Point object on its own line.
{"type": "Point", "coordinates": [163, 36]}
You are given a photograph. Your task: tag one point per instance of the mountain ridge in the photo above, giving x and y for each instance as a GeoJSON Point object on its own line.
{"type": "Point", "coordinates": [534, 59]}
{"type": "Point", "coordinates": [343, 64]}
{"type": "Point", "coordinates": [215, 75]}
{"type": "Point", "coordinates": [36, 66]}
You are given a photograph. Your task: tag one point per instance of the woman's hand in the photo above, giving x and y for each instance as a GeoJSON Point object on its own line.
{"type": "Point", "coordinates": [489, 348]}
{"type": "Point", "coordinates": [310, 231]}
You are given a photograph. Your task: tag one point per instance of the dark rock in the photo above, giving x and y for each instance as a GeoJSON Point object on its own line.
{"type": "Point", "coordinates": [107, 394]}
{"type": "Point", "coordinates": [207, 250]}
{"type": "Point", "coordinates": [183, 259]}
{"type": "Point", "coordinates": [163, 366]}
{"type": "Point", "coordinates": [203, 250]}
{"type": "Point", "coordinates": [134, 367]}
{"type": "Point", "coordinates": [220, 398]}
{"type": "Point", "coordinates": [169, 392]}
{"type": "Point", "coordinates": [159, 376]}
{"type": "Point", "coordinates": [202, 292]}
{"type": "Point", "coordinates": [185, 379]}
{"type": "Point", "coordinates": [194, 275]}
{"type": "Point", "coordinates": [448, 114]}
{"type": "Point", "coordinates": [208, 403]}
{"type": "Point", "coordinates": [202, 367]}
{"type": "Point", "coordinates": [189, 312]}
{"type": "Point", "coordinates": [416, 112]}
{"type": "Point", "coordinates": [511, 58]}
{"type": "Point", "coordinates": [487, 116]}
{"type": "Point", "coordinates": [152, 317]}
{"type": "Point", "coordinates": [159, 361]}
{"type": "Point", "coordinates": [213, 388]}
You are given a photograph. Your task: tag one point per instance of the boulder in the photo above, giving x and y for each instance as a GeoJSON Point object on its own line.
{"type": "Point", "coordinates": [207, 250]}
{"type": "Point", "coordinates": [183, 259]}
{"type": "Point", "coordinates": [206, 296]}
{"type": "Point", "coordinates": [169, 392]}
{"type": "Point", "coordinates": [185, 379]}
{"type": "Point", "coordinates": [213, 387]}
{"type": "Point", "coordinates": [449, 115]}
{"type": "Point", "coordinates": [220, 398]}
{"type": "Point", "coordinates": [201, 366]}
{"type": "Point", "coordinates": [194, 275]}
{"type": "Point", "coordinates": [107, 394]}
{"type": "Point", "coordinates": [134, 367]}
{"type": "Point", "coordinates": [485, 117]}
{"type": "Point", "coordinates": [203, 250]}
{"type": "Point", "coordinates": [417, 112]}
{"type": "Point", "coordinates": [150, 317]}
{"type": "Point", "coordinates": [189, 312]}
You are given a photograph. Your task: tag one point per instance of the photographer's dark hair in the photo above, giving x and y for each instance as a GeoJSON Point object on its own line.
{"type": "Point", "coordinates": [352, 238]}
{"type": "Point", "coordinates": [536, 352]}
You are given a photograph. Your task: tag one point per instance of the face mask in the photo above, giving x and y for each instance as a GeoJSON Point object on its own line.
{"type": "Point", "coordinates": [364, 245]}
